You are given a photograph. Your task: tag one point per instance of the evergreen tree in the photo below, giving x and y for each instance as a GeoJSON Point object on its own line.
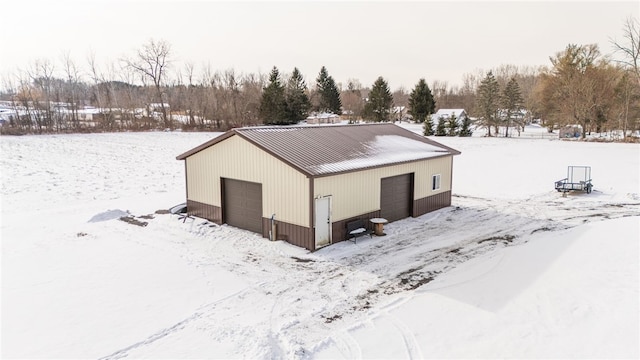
{"type": "Point", "coordinates": [441, 129]}
{"type": "Point", "coordinates": [465, 129]}
{"type": "Point", "coordinates": [421, 102]}
{"type": "Point", "coordinates": [273, 107]}
{"type": "Point", "coordinates": [452, 125]}
{"type": "Point", "coordinates": [488, 101]}
{"type": "Point", "coordinates": [380, 101]}
{"type": "Point", "coordinates": [296, 98]}
{"type": "Point", "coordinates": [511, 102]}
{"type": "Point", "coordinates": [428, 126]}
{"type": "Point", "coordinates": [329, 95]}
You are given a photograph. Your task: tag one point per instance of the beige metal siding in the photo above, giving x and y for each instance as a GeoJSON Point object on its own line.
{"type": "Point", "coordinates": [427, 169]}
{"type": "Point", "coordinates": [359, 192]}
{"type": "Point", "coordinates": [284, 189]}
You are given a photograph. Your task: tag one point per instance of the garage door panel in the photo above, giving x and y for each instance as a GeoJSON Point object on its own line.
{"type": "Point", "coordinates": [243, 204]}
{"type": "Point", "coordinates": [396, 197]}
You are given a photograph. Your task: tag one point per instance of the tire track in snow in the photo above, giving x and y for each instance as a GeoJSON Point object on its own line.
{"type": "Point", "coordinates": [427, 263]}
{"type": "Point", "coordinates": [341, 286]}
{"type": "Point", "coordinates": [124, 352]}
{"type": "Point", "coordinates": [347, 345]}
{"type": "Point", "coordinates": [409, 339]}
{"type": "Point", "coordinates": [157, 336]}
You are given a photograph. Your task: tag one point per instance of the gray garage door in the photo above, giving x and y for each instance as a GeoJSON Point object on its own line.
{"type": "Point", "coordinates": [242, 205]}
{"type": "Point", "coordinates": [396, 197]}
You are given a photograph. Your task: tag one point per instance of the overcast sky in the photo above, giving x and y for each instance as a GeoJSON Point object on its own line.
{"type": "Point", "coordinates": [400, 41]}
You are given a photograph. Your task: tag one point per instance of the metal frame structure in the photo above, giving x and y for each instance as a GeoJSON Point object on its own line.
{"type": "Point", "coordinates": [578, 179]}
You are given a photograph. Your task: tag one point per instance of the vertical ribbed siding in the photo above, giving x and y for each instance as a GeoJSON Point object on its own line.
{"type": "Point", "coordinates": [201, 185]}
{"type": "Point", "coordinates": [359, 192]}
{"type": "Point", "coordinates": [396, 197]}
{"type": "Point", "coordinates": [312, 214]}
{"type": "Point", "coordinates": [351, 193]}
{"type": "Point", "coordinates": [293, 234]}
{"type": "Point", "coordinates": [431, 203]}
{"type": "Point", "coordinates": [186, 180]}
{"type": "Point", "coordinates": [205, 211]}
{"type": "Point", "coordinates": [242, 204]}
{"type": "Point", "coordinates": [285, 190]}
{"type": "Point", "coordinates": [424, 173]}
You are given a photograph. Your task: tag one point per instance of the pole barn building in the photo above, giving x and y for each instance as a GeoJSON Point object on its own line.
{"type": "Point", "coordinates": [310, 181]}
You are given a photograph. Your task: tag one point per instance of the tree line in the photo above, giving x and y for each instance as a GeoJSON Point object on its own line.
{"type": "Point", "coordinates": [148, 91]}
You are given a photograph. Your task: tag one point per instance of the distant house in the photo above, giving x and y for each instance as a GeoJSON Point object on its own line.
{"type": "Point", "coordinates": [7, 115]}
{"type": "Point", "coordinates": [398, 113]}
{"type": "Point", "coordinates": [154, 110]}
{"type": "Point", "coordinates": [85, 115]}
{"type": "Point", "coordinates": [460, 115]}
{"type": "Point", "coordinates": [323, 118]}
{"type": "Point", "coordinates": [518, 115]}
{"type": "Point", "coordinates": [310, 181]}
{"type": "Point", "coordinates": [158, 106]}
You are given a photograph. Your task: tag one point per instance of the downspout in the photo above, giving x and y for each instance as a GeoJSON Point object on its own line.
{"type": "Point", "coordinates": [272, 232]}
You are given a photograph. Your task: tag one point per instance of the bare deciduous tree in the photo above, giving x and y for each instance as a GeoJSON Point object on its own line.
{"type": "Point", "coordinates": [151, 63]}
{"type": "Point", "coordinates": [73, 81]}
{"type": "Point", "coordinates": [352, 100]}
{"type": "Point", "coordinates": [400, 104]}
{"type": "Point", "coordinates": [627, 107]}
{"type": "Point", "coordinates": [578, 89]}
{"type": "Point", "coordinates": [630, 46]}
{"type": "Point", "coordinates": [41, 74]}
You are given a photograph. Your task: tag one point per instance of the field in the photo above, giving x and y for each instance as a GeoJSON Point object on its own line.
{"type": "Point", "coordinates": [511, 270]}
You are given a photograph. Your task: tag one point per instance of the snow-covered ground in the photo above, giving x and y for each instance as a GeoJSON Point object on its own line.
{"type": "Point", "coordinates": [511, 270]}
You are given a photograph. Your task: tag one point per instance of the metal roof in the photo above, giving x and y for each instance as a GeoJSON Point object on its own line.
{"type": "Point", "coordinates": [329, 150]}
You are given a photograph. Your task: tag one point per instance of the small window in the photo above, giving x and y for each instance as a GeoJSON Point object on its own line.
{"type": "Point", "coordinates": [435, 182]}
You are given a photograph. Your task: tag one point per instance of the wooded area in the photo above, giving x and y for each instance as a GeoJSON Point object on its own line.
{"type": "Point", "coordinates": [149, 90]}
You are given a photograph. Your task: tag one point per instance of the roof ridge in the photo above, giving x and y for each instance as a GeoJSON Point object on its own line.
{"type": "Point", "coordinates": [249, 128]}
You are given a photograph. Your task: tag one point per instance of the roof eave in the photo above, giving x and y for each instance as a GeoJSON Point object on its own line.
{"type": "Point", "coordinates": [205, 145]}
{"type": "Point", "coordinates": [426, 140]}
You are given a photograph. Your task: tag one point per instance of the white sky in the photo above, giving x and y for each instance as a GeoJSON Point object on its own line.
{"type": "Point", "coordinates": [401, 41]}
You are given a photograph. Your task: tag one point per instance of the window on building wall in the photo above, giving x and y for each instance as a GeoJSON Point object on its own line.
{"type": "Point", "coordinates": [435, 182]}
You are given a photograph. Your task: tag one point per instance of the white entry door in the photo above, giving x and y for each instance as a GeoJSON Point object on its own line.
{"type": "Point", "coordinates": [323, 221]}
